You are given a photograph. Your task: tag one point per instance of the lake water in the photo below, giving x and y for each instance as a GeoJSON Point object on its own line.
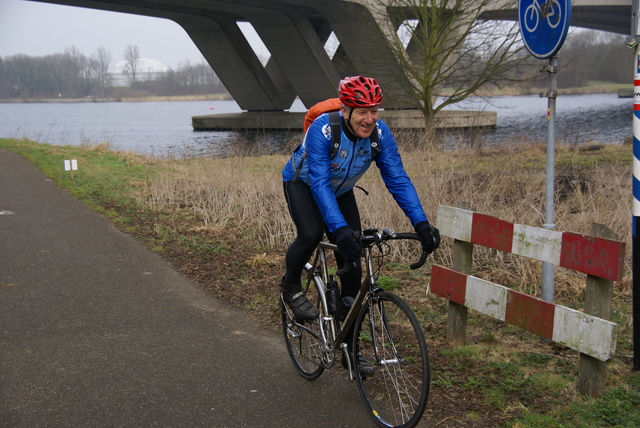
{"type": "Point", "coordinates": [602, 118]}
{"type": "Point", "coordinates": [162, 128]}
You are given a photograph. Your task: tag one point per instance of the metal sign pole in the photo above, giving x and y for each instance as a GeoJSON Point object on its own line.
{"type": "Point", "coordinates": [544, 26]}
{"type": "Point", "coordinates": [548, 273]}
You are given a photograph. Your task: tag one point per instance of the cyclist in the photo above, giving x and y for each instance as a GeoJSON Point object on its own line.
{"type": "Point", "coordinates": [318, 189]}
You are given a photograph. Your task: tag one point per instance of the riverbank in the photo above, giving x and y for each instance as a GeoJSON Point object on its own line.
{"type": "Point", "coordinates": [128, 99]}
{"type": "Point", "coordinates": [231, 240]}
{"type": "Point", "coordinates": [592, 88]}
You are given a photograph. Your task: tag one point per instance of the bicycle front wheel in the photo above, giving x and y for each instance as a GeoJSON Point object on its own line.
{"type": "Point", "coordinates": [389, 337]}
{"type": "Point", "coordinates": [303, 340]}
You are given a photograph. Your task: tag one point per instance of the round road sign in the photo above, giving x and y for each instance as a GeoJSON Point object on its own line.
{"type": "Point", "coordinates": [544, 25]}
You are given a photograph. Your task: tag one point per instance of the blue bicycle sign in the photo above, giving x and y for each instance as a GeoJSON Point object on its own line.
{"type": "Point", "coordinates": [550, 10]}
{"type": "Point", "coordinates": [544, 25]}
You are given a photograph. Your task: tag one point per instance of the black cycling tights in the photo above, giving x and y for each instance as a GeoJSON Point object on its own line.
{"type": "Point", "coordinates": [310, 228]}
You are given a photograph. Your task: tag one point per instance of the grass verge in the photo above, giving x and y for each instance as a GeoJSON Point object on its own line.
{"type": "Point", "coordinates": [223, 223]}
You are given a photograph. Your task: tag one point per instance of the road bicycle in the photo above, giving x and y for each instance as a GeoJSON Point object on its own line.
{"type": "Point", "coordinates": [386, 334]}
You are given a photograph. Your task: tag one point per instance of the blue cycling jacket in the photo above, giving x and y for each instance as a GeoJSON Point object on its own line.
{"type": "Point", "coordinates": [329, 178]}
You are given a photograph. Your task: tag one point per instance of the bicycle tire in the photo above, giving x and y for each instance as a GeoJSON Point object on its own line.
{"type": "Point", "coordinates": [397, 392]}
{"type": "Point", "coordinates": [303, 343]}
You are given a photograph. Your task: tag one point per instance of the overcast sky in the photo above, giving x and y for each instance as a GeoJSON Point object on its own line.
{"type": "Point", "coordinates": [38, 29]}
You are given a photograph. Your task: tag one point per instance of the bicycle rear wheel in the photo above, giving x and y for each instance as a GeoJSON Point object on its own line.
{"type": "Point", "coordinates": [303, 340]}
{"type": "Point", "coordinates": [389, 337]}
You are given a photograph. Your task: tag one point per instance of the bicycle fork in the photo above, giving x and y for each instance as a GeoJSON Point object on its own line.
{"type": "Point", "coordinates": [384, 333]}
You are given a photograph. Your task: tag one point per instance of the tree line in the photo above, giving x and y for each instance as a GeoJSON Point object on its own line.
{"type": "Point", "coordinates": [586, 56]}
{"type": "Point", "coordinates": [72, 74]}
{"type": "Point", "coordinates": [590, 55]}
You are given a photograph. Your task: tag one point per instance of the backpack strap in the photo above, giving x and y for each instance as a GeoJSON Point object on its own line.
{"type": "Point", "coordinates": [334, 121]}
{"type": "Point", "coordinates": [375, 146]}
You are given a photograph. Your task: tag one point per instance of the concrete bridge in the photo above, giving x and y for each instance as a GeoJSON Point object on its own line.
{"type": "Point", "coordinates": [295, 32]}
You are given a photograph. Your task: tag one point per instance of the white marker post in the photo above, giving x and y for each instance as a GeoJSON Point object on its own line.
{"type": "Point", "coordinates": [71, 165]}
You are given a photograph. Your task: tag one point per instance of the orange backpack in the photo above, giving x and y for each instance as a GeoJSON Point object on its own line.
{"type": "Point", "coordinates": [332, 104]}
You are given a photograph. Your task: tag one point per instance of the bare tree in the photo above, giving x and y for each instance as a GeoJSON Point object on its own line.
{"type": "Point", "coordinates": [99, 65]}
{"type": "Point", "coordinates": [73, 77]}
{"type": "Point", "coordinates": [132, 58]}
{"type": "Point", "coordinates": [449, 49]}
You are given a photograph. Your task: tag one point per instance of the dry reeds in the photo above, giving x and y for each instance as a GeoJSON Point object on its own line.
{"type": "Point", "coordinates": [508, 183]}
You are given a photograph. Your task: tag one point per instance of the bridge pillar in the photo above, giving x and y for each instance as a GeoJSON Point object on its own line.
{"type": "Point", "coordinates": [251, 85]}
{"type": "Point", "coordinates": [298, 50]}
{"type": "Point", "coordinates": [299, 65]}
{"type": "Point", "coordinates": [361, 30]}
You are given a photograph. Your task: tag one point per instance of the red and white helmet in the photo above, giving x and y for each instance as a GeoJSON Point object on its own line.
{"type": "Point", "coordinates": [360, 91]}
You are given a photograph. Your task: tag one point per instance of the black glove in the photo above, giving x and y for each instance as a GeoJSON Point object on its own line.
{"type": "Point", "coordinates": [429, 236]}
{"type": "Point", "coordinates": [347, 244]}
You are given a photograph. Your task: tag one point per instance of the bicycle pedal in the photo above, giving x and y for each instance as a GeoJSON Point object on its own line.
{"type": "Point", "coordinates": [291, 334]}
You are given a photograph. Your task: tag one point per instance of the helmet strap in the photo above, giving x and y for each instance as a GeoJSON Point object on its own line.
{"type": "Point", "coordinates": [349, 121]}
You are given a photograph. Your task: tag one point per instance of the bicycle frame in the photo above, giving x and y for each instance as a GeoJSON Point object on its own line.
{"type": "Point", "coordinates": [318, 272]}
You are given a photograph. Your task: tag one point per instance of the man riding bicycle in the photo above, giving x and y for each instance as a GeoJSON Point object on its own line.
{"type": "Point", "coordinates": [318, 186]}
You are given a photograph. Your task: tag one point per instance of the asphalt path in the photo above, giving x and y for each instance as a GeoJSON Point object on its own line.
{"type": "Point", "coordinates": [98, 331]}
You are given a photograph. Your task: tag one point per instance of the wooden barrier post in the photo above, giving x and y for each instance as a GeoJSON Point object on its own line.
{"type": "Point", "coordinates": [457, 313]}
{"type": "Point", "coordinates": [598, 295]}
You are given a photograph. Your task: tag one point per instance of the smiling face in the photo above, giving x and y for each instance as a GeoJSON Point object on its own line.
{"type": "Point", "coordinates": [361, 120]}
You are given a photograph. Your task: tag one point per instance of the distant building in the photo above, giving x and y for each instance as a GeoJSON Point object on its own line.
{"type": "Point", "coordinates": [147, 69]}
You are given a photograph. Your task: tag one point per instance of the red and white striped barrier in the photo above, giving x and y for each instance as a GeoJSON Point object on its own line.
{"type": "Point", "coordinates": [595, 256]}
{"type": "Point", "coordinates": [585, 333]}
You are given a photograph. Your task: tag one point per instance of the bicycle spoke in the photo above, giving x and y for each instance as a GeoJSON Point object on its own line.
{"type": "Point", "coordinates": [390, 339]}
{"type": "Point", "coordinates": [303, 342]}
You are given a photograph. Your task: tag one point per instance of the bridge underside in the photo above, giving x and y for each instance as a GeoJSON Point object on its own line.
{"type": "Point", "coordinates": [295, 32]}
